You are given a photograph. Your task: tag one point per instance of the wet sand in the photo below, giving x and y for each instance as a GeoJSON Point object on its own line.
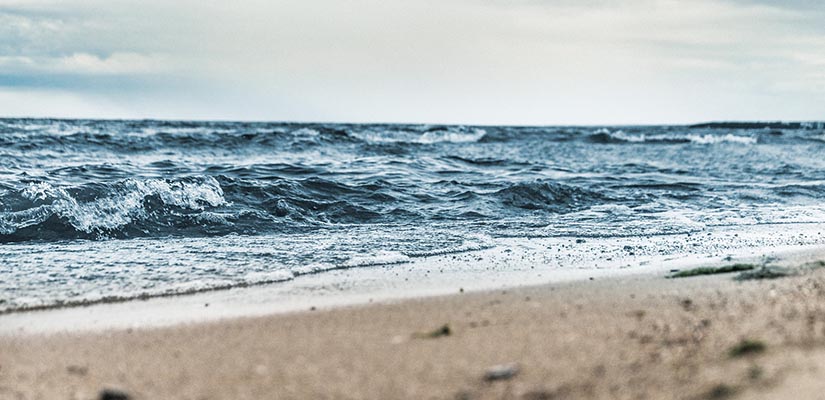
{"type": "Point", "coordinates": [624, 337]}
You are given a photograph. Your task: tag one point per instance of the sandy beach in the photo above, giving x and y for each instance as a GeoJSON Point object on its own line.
{"type": "Point", "coordinates": [629, 337]}
{"type": "Point", "coordinates": [423, 200]}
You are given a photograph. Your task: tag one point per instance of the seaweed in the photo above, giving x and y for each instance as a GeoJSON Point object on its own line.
{"type": "Point", "coordinates": [764, 273]}
{"type": "Point", "coordinates": [713, 270]}
{"type": "Point", "coordinates": [747, 347]}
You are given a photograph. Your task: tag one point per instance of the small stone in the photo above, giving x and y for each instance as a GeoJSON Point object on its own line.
{"type": "Point", "coordinates": [444, 330]}
{"type": "Point", "coordinates": [113, 394]}
{"type": "Point", "coordinates": [77, 370]}
{"type": "Point", "coordinates": [501, 372]}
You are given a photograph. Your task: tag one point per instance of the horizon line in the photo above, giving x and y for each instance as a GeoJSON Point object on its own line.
{"type": "Point", "coordinates": [331, 122]}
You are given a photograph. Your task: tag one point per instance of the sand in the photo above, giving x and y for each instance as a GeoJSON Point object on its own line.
{"type": "Point", "coordinates": [626, 337]}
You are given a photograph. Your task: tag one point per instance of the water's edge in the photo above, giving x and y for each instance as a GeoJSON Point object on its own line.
{"type": "Point", "coordinates": [511, 263]}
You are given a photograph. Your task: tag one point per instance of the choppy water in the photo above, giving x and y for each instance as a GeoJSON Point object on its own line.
{"type": "Point", "coordinates": [97, 209]}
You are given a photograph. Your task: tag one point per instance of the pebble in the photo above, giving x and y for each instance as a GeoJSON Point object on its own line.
{"type": "Point", "coordinates": [501, 372]}
{"type": "Point", "coordinates": [113, 394]}
{"type": "Point", "coordinates": [77, 370]}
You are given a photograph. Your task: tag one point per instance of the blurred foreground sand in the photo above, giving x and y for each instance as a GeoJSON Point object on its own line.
{"type": "Point", "coordinates": [640, 337]}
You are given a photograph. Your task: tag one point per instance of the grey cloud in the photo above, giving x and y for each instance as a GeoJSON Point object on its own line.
{"type": "Point", "coordinates": [489, 61]}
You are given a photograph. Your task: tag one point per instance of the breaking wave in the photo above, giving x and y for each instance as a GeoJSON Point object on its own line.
{"type": "Point", "coordinates": [44, 211]}
{"type": "Point", "coordinates": [453, 134]}
{"type": "Point", "coordinates": [615, 137]}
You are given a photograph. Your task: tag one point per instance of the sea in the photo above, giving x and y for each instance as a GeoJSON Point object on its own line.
{"type": "Point", "coordinates": [110, 210]}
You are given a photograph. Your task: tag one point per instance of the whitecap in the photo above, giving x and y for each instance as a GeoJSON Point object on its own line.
{"type": "Point", "coordinates": [729, 138]}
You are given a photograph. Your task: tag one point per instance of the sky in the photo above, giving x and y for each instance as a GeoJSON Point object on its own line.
{"type": "Point", "coordinates": [519, 62]}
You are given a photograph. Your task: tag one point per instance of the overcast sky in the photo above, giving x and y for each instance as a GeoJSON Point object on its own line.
{"type": "Point", "coordinates": [453, 61]}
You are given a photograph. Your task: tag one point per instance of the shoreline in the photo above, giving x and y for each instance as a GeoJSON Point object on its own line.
{"type": "Point", "coordinates": [501, 267]}
{"type": "Point", "coordinates": [619, 337]}
{"type": "Point", "coordinates": [557, 258]}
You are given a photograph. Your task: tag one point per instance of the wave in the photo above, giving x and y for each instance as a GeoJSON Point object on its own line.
{"type": "Point", "coordinates": [193, 206]}
{"type": "Point", "coordinates": [233, 137]}
{"type": "Point", "coordinates": [220, 205]}
{"type": "Point", "coordinates": [451, 134]}
{"type": "Point", "coordinates": [820, 137]}
{"type": "Point", "coordinates": [728, 138]}
{"type": "Point", "coordinates": [123, 139]}
{"type": "Point", "coordinates": [548, 196]}
{"type": "Point", "coordinates": [43, 211]}
{"type": "Point", "coordinates": [605, 136]}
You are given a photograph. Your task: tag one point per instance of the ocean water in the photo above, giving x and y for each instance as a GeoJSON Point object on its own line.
{"type": "Point", "coordinates": [96, 210]}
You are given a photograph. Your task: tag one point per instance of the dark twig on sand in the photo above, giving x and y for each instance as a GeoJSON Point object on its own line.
{"type": "Point", "coordinates": [444, 330]}
{"type": "Point", "coordinates": [713, 270]}
{"type": "Point", "coordinates": [747, 347]}
{"type": "Point", "coordinates": [765, 272]}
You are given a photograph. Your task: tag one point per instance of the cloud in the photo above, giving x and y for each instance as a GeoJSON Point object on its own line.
{"type": "Point", "coordinates": [87, 64]}
{"type": "Point", "coordinates": [485, 61]}
{"type": "Point", "coordinates": [30, 102]}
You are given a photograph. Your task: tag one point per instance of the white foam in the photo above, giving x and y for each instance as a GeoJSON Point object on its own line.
{"type": "Point", "coordinates": [729, 138]}
{"type": "Point", "coordinates": [313, 268]}
{"type": "Point", "coordinates": [692, 138]}
{"type": "Point", "coordinates": [122, 207]}
{"type": "Point", "coordinates": [380, 258]}
{"type": "Point", "coordinates": [462, 135]}
{"type": "Point", "coordinates": [452, 137]}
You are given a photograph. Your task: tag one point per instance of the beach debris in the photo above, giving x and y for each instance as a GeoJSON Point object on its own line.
{"type": "Point", "coordinates": [77, 370]}
{"type": "Point", "coordinates": [713, 270]}
{"type": "Point", "coordinates": [562, 392]}
{"type": "Point", "coordinates": [501, 372]}
{"type": "Point", "coordinates": [747, 347]}
{"type": "Point", "coordinates": [721, 391]}
{"type": "Point", "coordinates": [443, 330]}
{"type": "Point", "coordinates": [765, 272]}
{"type": "Point", "coordinates": [114, 394]}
